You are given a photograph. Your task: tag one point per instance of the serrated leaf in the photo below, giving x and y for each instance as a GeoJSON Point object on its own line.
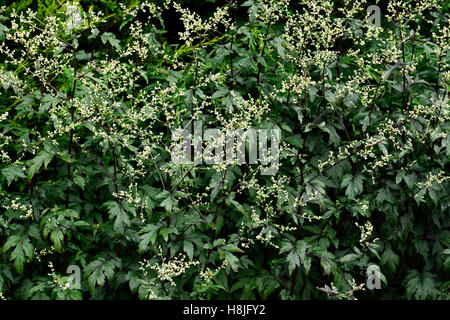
{"type": "Point", "coordinates": [111, 38]}
{"type": "Point", "coordinates": [121, 217]}
{"type": "Point", "coordinates": [18, 256]}
{"type": "Point", "coordinates": [188, 247]}
{"type": "Point", "coordinates": [43, 157]}
{"type": "Point", "coordinates": [57, 237]}
{"type": "Point", "coordinates": [12, 173]}
{"type": "Point", "coordinates": [169, 203]}
{"type": "Point", "coordinates": [232, 260]}
{"type": "Point", "coordinates": [279, 46]}
{"type": "Point", "coordinates": [151, 232]}
{"type": "Point", "coordinates": [293, 259]}
{"type": "Point", "coordinates": [12, 241]}
{"type": "Point", "coordinates": [354, 186]}
{"type": "Point", "coordinates": [349, 257]}
{"type": "Point", "coordinates": [422, 248]}
{"type": "Point", "coordinates": [79, 180]}
{"type": "Point", "coordinates": [390, 259]}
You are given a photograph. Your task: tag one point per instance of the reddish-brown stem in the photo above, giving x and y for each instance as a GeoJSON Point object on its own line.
{"type": "Point", "coordinates": [211, 234]}
{"type": "Point", "coordinates": [72, 111]}
{"type": "Point", "coordinates": [115, 172]}
{"type": "Point", "coordinates": [299, 207]}
{"type": "Point", "coordinates": [231, 52]}
{"type": "Point", "coordinates": [258, 79]}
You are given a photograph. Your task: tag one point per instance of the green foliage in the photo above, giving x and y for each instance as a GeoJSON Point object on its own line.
{"type": "Point", "coordinates": [87, 175]}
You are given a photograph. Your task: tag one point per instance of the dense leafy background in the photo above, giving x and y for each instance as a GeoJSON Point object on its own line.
{"type": "Point", "coordinates": [87, 131]}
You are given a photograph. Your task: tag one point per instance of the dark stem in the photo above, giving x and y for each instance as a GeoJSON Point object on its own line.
{"type": "Point", "coordinates": [115, 171]}
{"type": "Point", "coordinates": [212, 233]}
{"type": "Point", "coordinates": [72, 110]}
{"type": "Point", "coordinates": [231, 52]}
{"type": "Point", "coordinates": [299, 207]}
{"type": "Point", "coordinates": [262, 52]}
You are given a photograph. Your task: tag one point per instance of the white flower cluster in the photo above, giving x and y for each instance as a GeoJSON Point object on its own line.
{"type": "Point", "coordinates": [168, 269]}
{"type": "Point", "coordinates": [43, 252]}
{"type": "Point", "coordinates": [195, 28]}
{"type": "Point", "coordinates": [4, 116]}
{"type": "Point", "coordinates": [15, 205]}
{"type": "Point", "coordinates": [431, 179]}
{"type": "Point", "coordinates": [349, 294]}
{"type": "Point", "coordinates": [366, 232]}
{"type": "Point", "coordinates": [57, 280]}
{"type": "Point", "coordinates": [208, 274]}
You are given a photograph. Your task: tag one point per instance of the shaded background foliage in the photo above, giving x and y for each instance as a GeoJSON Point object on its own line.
{"type": "Point", "coordinates": [106, 238]}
